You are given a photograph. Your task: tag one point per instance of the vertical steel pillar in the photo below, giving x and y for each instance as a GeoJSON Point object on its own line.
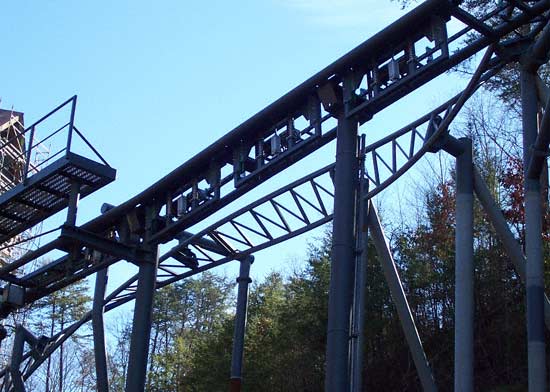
{"type": "Point", "coordinates": [143, 312]}
{"type": "Point", "coordinates": [533, 240]}
{"type": "Point", "coordinates": [240, 324]}
{"type": "Point", "coordinates": [358, 336]}
{"type": "Point", "coordinates": [361, 260]}
{"type": "Point", "coordinates": [342, 258]}
{"type": "Point", "coordinates": [71, 125]}
{"type": "Point", "coordinates": [401, 303]}
{"type": "Point", "coordinates": [74, 198]}
{"type": "Point", "coordinates": [21, 336]}
{"type": "Point", "coordinates": [100, 354]}
{"type": "Point", "coordinates": [464, 271]}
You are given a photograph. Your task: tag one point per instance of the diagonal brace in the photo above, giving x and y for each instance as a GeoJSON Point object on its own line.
{"type": "Point", "coordinates": [509, 242]}
{"type": "Point", "coordinates": [398, 294]}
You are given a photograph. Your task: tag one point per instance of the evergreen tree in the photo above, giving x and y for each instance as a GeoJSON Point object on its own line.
{"type": "Point", "coordinates": [51, 315]}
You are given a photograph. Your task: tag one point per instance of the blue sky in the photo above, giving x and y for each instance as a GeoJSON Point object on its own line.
{"type": "Point", "coordinates": [159, 81]}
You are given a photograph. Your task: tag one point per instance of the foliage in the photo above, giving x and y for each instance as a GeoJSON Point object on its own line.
{"type": "Point", "coordinates": [70, 368]}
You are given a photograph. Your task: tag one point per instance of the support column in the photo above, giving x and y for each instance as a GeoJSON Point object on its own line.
{"type": "Point", "coordinates": [533, 241]}
{"type": "Point", "coordinates": [74, 198]}
{"type": "Point", "coordinates": [21, 336]}
{"type": "Point", "coordinates": [401, 303]}
{"type": "Point", "coordinates": [464, 271]}
{"type": "Point", "coordinates": [100, 354]}
{"type": "Point", "coordinates": [143, 312]}
{"type": "Point", "coordinates": [342, 258]}
{"type": "Point", "coordinates": [240, 324]}
{"type": "Point", "coordinates": [361, 260]}
{"type": "Point", "coordinates": [358, 335]}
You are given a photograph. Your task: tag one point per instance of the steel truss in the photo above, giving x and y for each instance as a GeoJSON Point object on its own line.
{"type": "Point", "coordinates": [351, 90]}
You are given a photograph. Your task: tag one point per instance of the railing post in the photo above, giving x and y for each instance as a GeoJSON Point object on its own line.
{"type": "Point", "coordinates": [71, 124]}
{"type": "Point", "coordinates": [28, 155]}
{"type": "Point", "coordinates": [74, 198]}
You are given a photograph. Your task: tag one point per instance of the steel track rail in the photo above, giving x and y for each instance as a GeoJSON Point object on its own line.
{"type": "Point", "coordinates": [246, 149]}
{"type": "Point", "coordinates": [246, 231]}
{"type": "Point", "coordinates": [311, 196]}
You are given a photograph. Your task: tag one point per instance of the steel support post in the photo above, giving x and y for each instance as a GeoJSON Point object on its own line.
{"type": "Point", "coordinates": [99, 331]}
{"type": "Point", "coordinates": [143, 312]}
{"type": "Point", "coordinates": [74, 198]}
{"type": "Point", "coordinates": [141, 327]}
{"type": "Point", "coordinates": [21, 336]}
{"type": "Point", "coordinates": [400, 301]}
{"type": "Point", "coordinates": [360, 288]}
{"type": "Point", "coordinates": [240, 324]}
{"type": "Point", "coordinates": [342, 258]}
{"type": "Point", "coordinates": [533, 240]}
{"type": "Point", "coordinates": [464, 271]}
{"type": "Point", "coordinates": [358, 326]}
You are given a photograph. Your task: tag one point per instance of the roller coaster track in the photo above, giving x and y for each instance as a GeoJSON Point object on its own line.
{"type": "Point", "coordinates": [385, 68]}
{"type": "Point", "coordinates": [288, 212]}
{"type": "Point", "coordinates": [379, 72]}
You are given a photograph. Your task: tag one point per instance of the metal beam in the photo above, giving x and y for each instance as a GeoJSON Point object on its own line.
{"type": "Point", "coordinates": [541, 48]}
{"type": "Point", "coordinates": [143, 314]}
{"type": "Point", "coordinates": [240, 324]}
{"type": "Point", "coordinates": [73, 235]}
{"type": "Point", "coordinates": [342, 257]}
{"type": "Point", "coordinates": [400, 300]}
{"type": "Point", "coordinates": [507, 239]}
{"type": "Point", "coordinates": [426, 21]}
{"type": "Point", "coordinates": [360, 287]}
{"type": "Point", "coordinates": [22, 336]}
{"type": "Point", "coordinates": [102, 379]}
{"type": "Point", "coordinates": [533, 240]}
{"type": "Point", "coordinates": [263, 124]}
{"type": "Point", "coordinates": [464, 271]}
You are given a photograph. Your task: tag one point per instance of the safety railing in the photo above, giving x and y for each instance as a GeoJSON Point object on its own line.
{"type": "Point", "coordinates": [51, 137]}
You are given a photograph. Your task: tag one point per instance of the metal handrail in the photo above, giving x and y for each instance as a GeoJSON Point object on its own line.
{"type": "Point", "coordinates": [32, 142]}
{"type": "Point", "coordinates": [72, 99]}
{"type": "Point", "coordinates": [90, 146]}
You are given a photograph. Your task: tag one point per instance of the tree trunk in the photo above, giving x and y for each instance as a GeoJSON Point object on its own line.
{"type": "Point", "coordinates": [48, 369]}
{"type": "Point", "coordinates": [61, 354]}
